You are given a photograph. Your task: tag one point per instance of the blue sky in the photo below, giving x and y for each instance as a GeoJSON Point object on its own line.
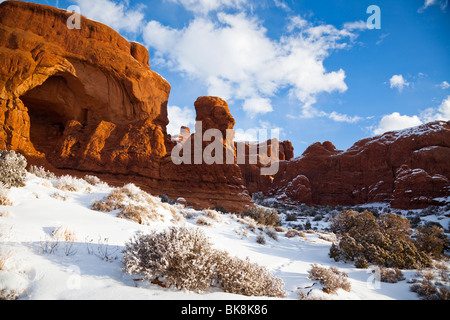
{"type": "Point", "coordinates": [310, 68]}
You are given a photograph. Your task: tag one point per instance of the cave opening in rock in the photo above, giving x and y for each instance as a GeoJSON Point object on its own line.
{"type": "Point", "coordinates": [49, 109]}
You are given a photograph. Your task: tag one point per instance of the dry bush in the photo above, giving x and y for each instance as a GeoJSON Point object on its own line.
{"type": "Point", "coordinates": [134, 204]}
{"type": "Point", "coordinates": [271, 233]}
{"type": "Point", "coordinates": [260, 239]}
{"type": "Point", "coordinates": [59, 196]}
{"type": "Point", "coordinates": [71, 184]}
{"type": "Point", "coordinates": [246, 278]}
{"type": "Point", "coordinates": [8, 295]}
{"type": "Point", "coordinates": [184, 258]}
{"type": "Point", "coordinates": [12, 169]}
{"type": "Point", "coordinates": [291, 233]}
{"type": "Point", "coordinates": [266, 217]}
{"type": "Point", "coordinates": [384, 241]}
{"type": "Point", "coordinates": [427, 291]}
{"type": "Point", "coordinates": [330, 278]}
{"type": "Point", "coordinates": [4, 257]}
{"type": "Point", "coordinates": [40, 172]}
{"type": "Point", "coordinates": [63, 233]}
{"type": "Point", "coordinates": [203, 221]}
{"type": "Point", "coordinates": [6, 214]}
{"type": "Point", "coordinates": [92, 180]}
{"type": "Point", "coordinates": [213, 215]}
{"type": "Point", "coordinates": [390, 275]}
{"type": "Point", "coordinates": [4, 200]}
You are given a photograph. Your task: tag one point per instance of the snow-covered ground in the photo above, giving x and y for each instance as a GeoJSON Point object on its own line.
{"type": "Point", "coordinates": [54, 246]}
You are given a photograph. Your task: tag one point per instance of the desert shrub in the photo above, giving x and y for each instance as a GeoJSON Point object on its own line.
{"type": "Point", "coordinates": [291, 233]}
{"type": "Point", "coordinates": [134, 204]}
{"type": "Point", "coordinates": [390, 275]}
{"type": "Point", "coordinates": [427, 291]}
{"type": "Point", "coordinates": [71, 184]}
{"type": "Point", "coordinates": [267, 217]}
{"type": "Point", "coordinates": [40, 172]}
{"type": "Point", "coordinates": [63, 233]}
{"type": "Point", "coordinates": [271, 233]}
{"type": "Point", "coordinates": [330, 278]}
{"type": "Point", "coordinates": [243, 277]}
{"type": "Point", "coordinates": [213, 215]}
{"type": "Point", "coordinates": [4, 200]}
{"type": "Point", "coordinates": [383, 241]}
{"type": "Point", "coordinates": [204, 221]}
{"type": "Point", "coordinates": [8, 294]}
{"type": "Point", "coordinates": [432, 240]}
{"type": "Point", "coordinates": [92, 180]}
{"type": "Point", "coordinates": [184, 258]}
{"type": "Point", "coordinates": [12, 169]}
{"type": "Point", "coordinates": [260, 239]}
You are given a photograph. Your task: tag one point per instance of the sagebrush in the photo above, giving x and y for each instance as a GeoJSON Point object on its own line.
{"type": "Point", "coordinates": [12, 169]}
{"type": "Point", "coordinates": [184, 258]}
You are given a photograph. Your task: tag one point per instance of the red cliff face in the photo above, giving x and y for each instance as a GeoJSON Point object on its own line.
{"type": "Point", "coordinates": [408, 168]}
{"type": "Point", "coordinates": [86, 100]}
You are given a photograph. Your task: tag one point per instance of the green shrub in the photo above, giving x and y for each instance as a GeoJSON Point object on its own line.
{"type": "Point", "coordinates": [12, 169]}
{"type": "Point", "coordinates": [432, 240]}
{"type": "Point", "coordinates": [384, 241]}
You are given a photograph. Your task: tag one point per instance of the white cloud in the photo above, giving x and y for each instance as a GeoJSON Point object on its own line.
{"type": "Point", "coordinates": [179, 117]}
{"type": "Point", "coordinates": [256, 106]}
{"type": "Point", "coordinates": [428, 3]}
{"type": "Point", "coordinates": [398, 82]}
{"type": "Point", "coordinates": [356, 25]}
{"type": "Point", "coordinates": [444, 85]}
{"type": "Point", "coordinates": [395, 121]}
{"type": "Point", "coordinates": [233, 56]}
{"type": "Point", "coordinates": [442, 112]}
{"type": "Point", "coordinates": [206, 6]}
{"type": "Point", "coordinates": [343, 117]}
{"type": "Point", "coordinates": [116, 15]}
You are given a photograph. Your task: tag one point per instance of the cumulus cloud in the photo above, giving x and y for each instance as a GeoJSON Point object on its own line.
{"type": "Point", "coordinates": [234, 58]}
{"type": "Point", "coordinates": [179, 117]}
{"type": "Point", "coordinates": [398, 82]}
{"type": "Point", "coordinates": [116, 15]}
{"type": "Point", "coordinates": [396, 121]}
{"type": "Point", "coordinates": [442, 112]}
{"type": "Point", "coordinates": [206, 6]}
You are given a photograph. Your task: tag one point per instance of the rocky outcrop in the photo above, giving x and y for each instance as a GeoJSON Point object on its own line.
{"type": "Point", "coordinates": [85, 100]}
{"type": "Point", "coordinates": [408, 169]}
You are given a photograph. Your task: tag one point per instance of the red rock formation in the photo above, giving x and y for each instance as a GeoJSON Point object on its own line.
{"type": "Point", "coordinates": [85, 100]}
{"type": "Point", "coordinates": [408, 168]}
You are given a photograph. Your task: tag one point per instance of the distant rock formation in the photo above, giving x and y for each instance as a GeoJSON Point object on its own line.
{"type": "Point", "coordinates": [410, 169]}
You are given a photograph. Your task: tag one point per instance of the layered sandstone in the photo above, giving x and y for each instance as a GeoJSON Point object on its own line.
{"type": "Point", "coordinates": [408, 169]}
